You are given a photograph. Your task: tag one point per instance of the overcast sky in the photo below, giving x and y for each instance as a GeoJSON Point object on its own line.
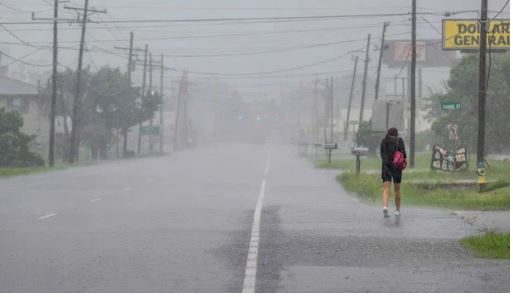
{"type": "Point", "coordinates": [230, 47]}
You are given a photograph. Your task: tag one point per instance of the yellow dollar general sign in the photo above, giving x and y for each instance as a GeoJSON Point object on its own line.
{"type": "Point", "coordinates": [464, 34]}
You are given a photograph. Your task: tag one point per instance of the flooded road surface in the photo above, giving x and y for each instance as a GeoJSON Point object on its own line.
{"type": "Point", "coordinates": [228, 218]}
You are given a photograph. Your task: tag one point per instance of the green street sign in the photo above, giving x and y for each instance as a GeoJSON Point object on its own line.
{"type": "Point", "coordinates": [155, 130]}
{"type": "Point", "coordinates": [451, 106]}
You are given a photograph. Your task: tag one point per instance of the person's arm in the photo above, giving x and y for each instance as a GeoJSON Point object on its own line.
{"type": "Point", "coordinates": [383, 150]}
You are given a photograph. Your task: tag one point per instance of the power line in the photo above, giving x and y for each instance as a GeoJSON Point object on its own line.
{"type": "Point", "coordinates": [275, 50]}
{"type": "Point", "coordinates": [23, 57]}
{"type": "Point", "coordinates": [14, 9]}
{"type": "Point", "coordinates": [502, 9]}
{"type": "Point", "coordinates": [17, 37]}
{"type": "Point", "coordinates": [19, 60]}
{"type": "Point", "coordinates": [265, 19]}
{"type": "Point", "coordinates": [265, 72]}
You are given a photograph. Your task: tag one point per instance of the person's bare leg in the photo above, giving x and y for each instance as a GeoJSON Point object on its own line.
{"type": "Point", "coordinates": [386, 193]}
{"type": "Point", "coordinates": [397, 190]}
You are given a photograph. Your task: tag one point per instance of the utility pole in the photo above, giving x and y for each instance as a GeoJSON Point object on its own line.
{"type": "Point", "coordinates": [55, 19]}
{"type": "Point", "coordinates": [327, 106]}
{"type": "Point", "coordinates": [124, 130]}
{"type": "Point", "coordinates": [350, 97]}
{"type": "Point", "coordinates": [75, 134]}
{"type": "Point", "coordinates": [364, 82]}
{"type": "Point", "coordinates": [376, 92]}
{"type": "Point", "coordinates": [130, 63]}
{"type": "Point", "coordinates": [186, 126]}
{"type": "Point", "coordinates": [75, 131]}
{"type": "Point", "coordinates": [316, 109]}
{"type": "Point", "coordinates": [54, 86]}
{"type": "Point", "coordinates": [332, 98]}
{"type": "Point", "coordinates": [150, 136]}
{"type": "Point", "coordinates": [150, 88]}
{"type": "Point", "coordinates": [130, 56]}
{"type": "Point", "coordinates": [161, 122]}
{"type": "Point", "coordinates": [330, 115]}
{"type": "Point", "coordinates": [177, 112]}
{"type": "Point", "coordinates": [482, 85]}
{"type": "Point", "coordinates": [143, 91]}
{"type": "Point", "coordinates": [413, 81]}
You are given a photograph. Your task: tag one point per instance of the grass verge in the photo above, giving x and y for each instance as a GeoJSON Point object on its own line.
{"type": "Point", "coordinates": [8, 171]}
{"type": "Point", "coordinates": [18, 171]}
{"type": "Point", "coordinates": [489, 246]}
{"type": "Point", "coordinates": [368, 186]}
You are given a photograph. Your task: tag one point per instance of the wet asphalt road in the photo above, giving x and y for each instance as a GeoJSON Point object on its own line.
{"type": "Point", "coordinates": [183, 223]}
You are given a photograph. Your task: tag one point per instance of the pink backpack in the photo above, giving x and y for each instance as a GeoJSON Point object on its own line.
{"type": "Point", "coordinates": [398, 161]}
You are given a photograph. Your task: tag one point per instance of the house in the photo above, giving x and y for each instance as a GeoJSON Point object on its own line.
{"type": "Point", "coordinates": [16, 95]}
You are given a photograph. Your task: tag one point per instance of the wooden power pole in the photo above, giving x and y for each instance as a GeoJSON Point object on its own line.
{"type": "Point", "coordinates": [161, 122]}
{"type": "Point", "coordinates": [482, 84]}
{"type": "Point", "coordinates": [143, 94]}
{"type": "Point", "coordinates": [76, 126]}
{"type": "Point", "coordinates": [51, 156]}
{"type": "Point", "coordinates": [413, 81]}
{"type": "Point", "coordinates": [376, 91]}
{"type": "Point", "coordinates": [350, 98]}
{"type": "Point", "coordinates": [364, 82]}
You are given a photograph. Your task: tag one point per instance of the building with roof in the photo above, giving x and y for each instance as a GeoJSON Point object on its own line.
{"type": "Point", "coordinates": [16, 95]}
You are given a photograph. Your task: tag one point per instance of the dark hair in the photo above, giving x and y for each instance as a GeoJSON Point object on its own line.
{"type": "Point", "coordinates": [392, 132]}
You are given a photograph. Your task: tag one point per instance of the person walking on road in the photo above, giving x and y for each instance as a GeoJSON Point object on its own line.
{"type": "Point", "coordinates": [393, 156]}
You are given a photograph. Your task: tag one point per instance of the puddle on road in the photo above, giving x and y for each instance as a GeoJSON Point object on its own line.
{"type": "Point", "coordinates": [235, 252]}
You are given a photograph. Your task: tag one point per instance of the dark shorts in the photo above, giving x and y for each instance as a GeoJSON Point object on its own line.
{"type": "Point", "coordinates": [389, 173]}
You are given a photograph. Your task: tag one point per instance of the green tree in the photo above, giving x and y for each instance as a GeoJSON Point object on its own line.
{"type": "Point", "coordinates": [14, 145]}
{"type": "Point", "coordinates": [462, 87]}
{"type": "Point", "coordinates": [112, 104]}
{"type": "Point", "coordinates": [109, 103]}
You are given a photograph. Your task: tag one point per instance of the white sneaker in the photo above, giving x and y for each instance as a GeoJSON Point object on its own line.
{"type": "Point", "coordinates": [397, 213]}
{"type": "Point", "coordinates": [385, 213]}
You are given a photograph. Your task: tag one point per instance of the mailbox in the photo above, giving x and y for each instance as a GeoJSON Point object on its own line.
{"type": "Point", "coordinates": [360, 151]}
{"type": "Point", "coordinates": [331, 146]}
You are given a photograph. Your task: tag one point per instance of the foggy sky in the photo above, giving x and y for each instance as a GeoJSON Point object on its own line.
{"type": "Point", "coordinates": [175, 38]}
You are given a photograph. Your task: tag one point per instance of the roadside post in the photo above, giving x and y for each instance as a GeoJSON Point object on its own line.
{"type": "Point", "coordinates": [329, 147]}
{"type": "Point", "coordinates": [358, 152]}
{"type": "Point", "coordinates": [453, 135]}
{"type": "Point", "coordinates": [481, 172]}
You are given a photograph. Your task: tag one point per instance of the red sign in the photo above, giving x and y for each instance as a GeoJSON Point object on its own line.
{"type": "Point", "coordinates": [402, 51]}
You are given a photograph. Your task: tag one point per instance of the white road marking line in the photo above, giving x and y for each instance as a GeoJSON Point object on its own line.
{"type": "Point", "coordinates": [250, 273]}
{"type": "Point", "coordinates": [47, 216]}
{"type": "Point", "coordinates": [127, 189]}
{"type": "Point", "coordinates": [267, 166]}
{"type": "Point", "coordinates": [252, 261]}
{"type": "Point", "coordinates": [95, 200]}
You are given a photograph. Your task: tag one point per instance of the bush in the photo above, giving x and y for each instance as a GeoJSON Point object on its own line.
{"type": "Point", "coordinates": [14, 145]}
